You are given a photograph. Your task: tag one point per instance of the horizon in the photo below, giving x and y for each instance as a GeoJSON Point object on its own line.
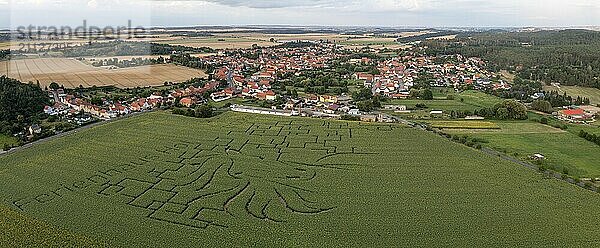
{"type": "Point", "coordinates": [346, 13]}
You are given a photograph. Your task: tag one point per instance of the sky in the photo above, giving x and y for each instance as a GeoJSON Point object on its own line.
{"type": "Point", "coordinates": [392, 13]}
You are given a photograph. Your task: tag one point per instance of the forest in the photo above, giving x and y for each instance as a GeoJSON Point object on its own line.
{"type": "Point", "coordinates": [568, 57]}
{"type": "Point", "coordinates": [20, 104]}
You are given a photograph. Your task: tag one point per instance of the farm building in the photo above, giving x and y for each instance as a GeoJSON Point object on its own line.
{"type": "Point", "coordinates": [368, 118]}
{"type": "Point", "coordinates": [395, 107]}
{"type": "Point", "coordinates": [262, 111]}
{"type": "Point", "coordinates": [575, 115]}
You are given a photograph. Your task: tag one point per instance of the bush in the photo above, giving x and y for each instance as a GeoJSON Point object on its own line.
{"type": "Point", "coordinates": [350, 118]}
{"type": "Point", "coordinates": [52, 118]}
{"type": "Point", "coordinates": [420, 106]}
{"type": "Point", "coordinates": [542, 106]}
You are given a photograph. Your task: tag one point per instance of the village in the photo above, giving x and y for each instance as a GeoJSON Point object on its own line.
{"type": "Point", "coordinates": [258, 74]}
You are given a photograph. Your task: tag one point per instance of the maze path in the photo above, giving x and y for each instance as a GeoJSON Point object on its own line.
{"type": "Point", "coordinates": [262, 171]}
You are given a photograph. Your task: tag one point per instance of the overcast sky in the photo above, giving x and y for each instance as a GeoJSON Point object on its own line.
{"type": "Point", "coordinates": [422, 13]}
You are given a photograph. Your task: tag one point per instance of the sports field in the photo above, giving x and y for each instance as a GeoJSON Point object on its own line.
{"type": "Point", "coordinates": [71, 73]}
{"type": "Point", "coordinates": [162, 180]}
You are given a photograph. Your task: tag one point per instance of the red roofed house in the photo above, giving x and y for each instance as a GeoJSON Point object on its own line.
{"type": "Point", "coordinates": [246, 92]}
{"type": "Point", "coordinates": [574, 115]}
{"type": "Point", "coordinates": [271, 95]}
{"type": "Point", "coordinates": [261, 95]}
{"type": "Point", "coordinates": [188, 102]}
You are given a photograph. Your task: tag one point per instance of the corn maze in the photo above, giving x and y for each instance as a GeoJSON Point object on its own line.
{"type": "Point", "coordinates": [197, 184]}
{"type": "Point", "coordinates": [238, 180]}
{"type": "Point", "coordinates": [249, 172]}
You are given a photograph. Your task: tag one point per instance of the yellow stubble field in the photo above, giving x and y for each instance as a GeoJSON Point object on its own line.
{"type": "Point", "coordinates": [72, 73]}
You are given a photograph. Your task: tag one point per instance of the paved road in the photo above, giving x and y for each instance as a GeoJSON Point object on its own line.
{"type": "Point", "coordinates": [60, 135]}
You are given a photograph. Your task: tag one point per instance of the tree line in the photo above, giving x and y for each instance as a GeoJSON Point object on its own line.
{"type": "Point", "coordinates": [192, 62]}
{"type": "Point", "coordinates": [590, 137]}
{"type": "Point", "coordinates": [506, 110]}
{"type": "Point", "coordinates": [124, 63]}
{"type": "Point", "coordinates": [128, 48]}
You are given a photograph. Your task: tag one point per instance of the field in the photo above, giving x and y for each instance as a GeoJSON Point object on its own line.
{"type": "Point", "coordinates": [246, 40]}
{"type": "Point", "coordinates": [24, 231]}
{"type": "Point", "coordinates": [163, 180]}
{"type": "Point", "coordinates": [464, 125]}
{"type": "Point", "coordinates": [71, 73]}
{"type": "Point", "coordinates": [219, 42]}
{"type": "Point", "coordinates": [562, 149]}
{"type": "Point", "coordinates": [465, 101]}
{"type": "Point", "coordinates": [592, 93]}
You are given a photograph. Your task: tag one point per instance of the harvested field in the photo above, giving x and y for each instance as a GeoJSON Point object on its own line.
{"type": "Point", "coordinates": [217, 42]}
{"type": "Point", "coordinates": [71, 73]}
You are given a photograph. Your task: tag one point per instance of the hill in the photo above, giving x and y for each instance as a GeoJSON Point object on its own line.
{"type": "Point", "coordinates": [235, 180]}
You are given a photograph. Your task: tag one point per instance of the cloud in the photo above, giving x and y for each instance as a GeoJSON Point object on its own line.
{"type": "Point", "coordinates": [354, 5]}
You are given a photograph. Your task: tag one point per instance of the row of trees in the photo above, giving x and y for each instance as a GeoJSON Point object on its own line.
{"type": "Point", "coordinates": [506, 110]}
{"type": "Point", "coordinates": [558, 100]}
{"type": "Point", "coordinates": [590, 137]}
{"type": "Point", "coordinates": [128, 48]}
{"type": "Point", "coordinates": [128, 63]}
